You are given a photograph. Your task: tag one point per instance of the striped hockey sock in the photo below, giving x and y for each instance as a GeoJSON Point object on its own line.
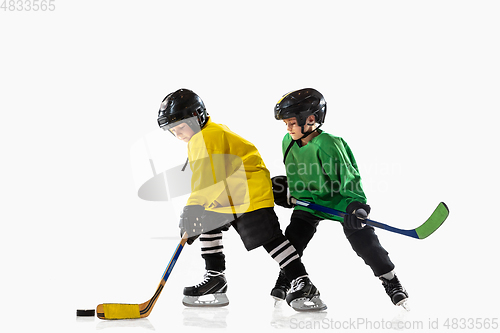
{"type": "Point", "coordinates": [284, 253]}
{"type": "Point", "coordinates": [212, 251]}
{"type": "Point", "coordinates": [211, 243]}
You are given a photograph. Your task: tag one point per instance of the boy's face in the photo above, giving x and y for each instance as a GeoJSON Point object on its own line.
{"type": "Point", "coordinates": [182, 132]}
{"type": "Point", "coordinates": [293, 128]}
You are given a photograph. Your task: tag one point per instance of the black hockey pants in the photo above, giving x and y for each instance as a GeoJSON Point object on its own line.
{"type": "Point", "coordinates": [363, 241]}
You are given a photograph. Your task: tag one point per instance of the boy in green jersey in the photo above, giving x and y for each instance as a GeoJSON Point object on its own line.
{"type": "Point", "coordinates": [321, 168]}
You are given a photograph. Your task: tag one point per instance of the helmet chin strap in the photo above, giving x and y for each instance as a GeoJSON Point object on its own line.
{"type": "Point", "coordinates": [303, 136]}
{"type": "Point", "coordinates": [306, 134]}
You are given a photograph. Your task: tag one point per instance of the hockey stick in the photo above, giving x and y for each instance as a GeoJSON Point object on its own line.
{"type": "Point", "coordinates": [425, 230]}
{"type": "Point", "coordinates": [134, 311]}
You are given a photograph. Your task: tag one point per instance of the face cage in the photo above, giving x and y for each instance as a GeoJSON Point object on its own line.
{"type": "Point", "coordinates": [192, 122]}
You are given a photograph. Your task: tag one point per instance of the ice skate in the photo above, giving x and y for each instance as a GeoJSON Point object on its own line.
{"type": "Point", "coordinates": [396, 292]}
{"type": "Point", "coordinates": [304, 296]}
{"type": "Point", "coordinates": [280, 289]}
{"type": "Point", "coordinates": [210, 292]}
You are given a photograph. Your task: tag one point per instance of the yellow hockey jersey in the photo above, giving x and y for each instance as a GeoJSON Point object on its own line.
{"type": "Point", "coordinates": [229, 175]}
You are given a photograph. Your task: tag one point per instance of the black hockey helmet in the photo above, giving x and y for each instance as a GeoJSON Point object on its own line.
{"type": "Point", "coordinates": [182, 104]}
{"type": "Point", "coordinates": [301, 104]}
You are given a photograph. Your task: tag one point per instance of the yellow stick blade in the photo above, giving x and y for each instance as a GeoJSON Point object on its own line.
{"type": "Point", "coordinates": [118, 311]}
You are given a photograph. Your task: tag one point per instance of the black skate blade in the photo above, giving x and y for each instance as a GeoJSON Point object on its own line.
{"type": "Point", "coordinates": [308, 305]}
{"type": "Point", "coordinates": [277, 301]}
{"type": "Point", "coordinates": [212, 300]}
{"type": "Point", "coordinates": [404, 304]}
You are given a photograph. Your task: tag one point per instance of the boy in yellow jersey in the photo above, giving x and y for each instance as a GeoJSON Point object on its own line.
{"type": "Point", "coordinates": [230, 186]}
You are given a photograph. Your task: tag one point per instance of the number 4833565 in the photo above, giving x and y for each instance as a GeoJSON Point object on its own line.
{"type": "Point", "coordinates": [28, 5]}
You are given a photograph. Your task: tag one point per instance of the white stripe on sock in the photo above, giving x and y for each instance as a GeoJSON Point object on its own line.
{"type": "Point", "coordinates": [289, 261]}
{"type": "Point", "coordinates": [213, 251]}
{"type": "Point", "coordinates": [217, 242]}
{"type": "Point", "coordinates": [279, 247]}
{"type": "Point", "coordinates": [282, 256]}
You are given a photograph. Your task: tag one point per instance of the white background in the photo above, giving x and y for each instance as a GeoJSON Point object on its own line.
{"type": "Point", "coordinates": [413, 86]}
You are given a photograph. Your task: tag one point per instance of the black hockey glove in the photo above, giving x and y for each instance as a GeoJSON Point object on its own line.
{"type": "Point", "coordinates": [280, 192]}
{"type": "Point", "coordinates": [192, 222]}
{"type": "Point", "coordinates": [356, 213]}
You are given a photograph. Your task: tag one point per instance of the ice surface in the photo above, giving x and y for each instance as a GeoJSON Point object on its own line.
{"type": "Point", "coordinates": [413, 88]}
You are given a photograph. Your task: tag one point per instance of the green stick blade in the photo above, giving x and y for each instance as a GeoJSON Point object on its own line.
{"type": "Point", "coordinates": [433, 222]}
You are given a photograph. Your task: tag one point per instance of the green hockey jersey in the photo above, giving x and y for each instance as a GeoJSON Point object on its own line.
{"type": "Point", "coordinates": [324, 172]}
